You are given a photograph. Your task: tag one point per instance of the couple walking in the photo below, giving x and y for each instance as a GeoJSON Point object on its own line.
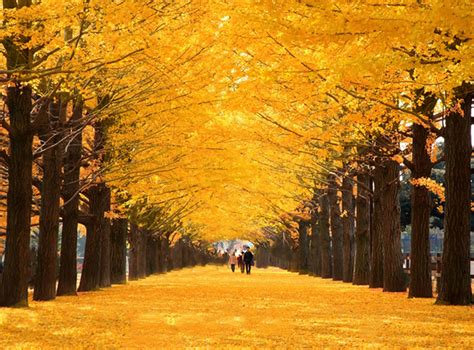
{"type": "Point", "coordinates": [244, 260]}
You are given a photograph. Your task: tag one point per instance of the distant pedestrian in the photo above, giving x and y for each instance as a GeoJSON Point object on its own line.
{"type": "Point", "coordinates": [240, 262]}
{"type": "Point", "coordinates": [248, 260]}
{"type": "Point", "coordinates": [233, 260]}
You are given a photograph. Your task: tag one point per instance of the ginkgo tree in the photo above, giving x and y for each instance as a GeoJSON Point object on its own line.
{"type": "Point", "coordinates": [351, 60]}
{"type": "Point", "coordinates": [229, 117]}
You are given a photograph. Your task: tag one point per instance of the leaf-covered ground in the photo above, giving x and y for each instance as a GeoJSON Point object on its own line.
{"type": "Point", "coordinates": [211, 307]}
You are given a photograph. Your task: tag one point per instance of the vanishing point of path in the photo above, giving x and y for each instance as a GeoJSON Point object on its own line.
{"type": "Point", "coordinates": [209, 307]}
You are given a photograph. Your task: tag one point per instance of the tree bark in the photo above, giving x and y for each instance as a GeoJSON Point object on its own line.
{"type": "Point", "coordinates": [303, 247]}
{"type": "Point", "coordinates": [46, 273]}
{"type": "Point", "coordinates": [118, 251]}
{"type": "Point", "coordinates": [315, 244]}
{"type": "Point", "coordinates": [157, 248]}
{"type": "Point", "coordinates": [347, 229]}
{"type": "Point", "coordinates": [455, 286]}
{"type": "Point", "coordinates": [376, 234]}
{"type": "Point", "coordinates": [104, 232]}
{"type": "Point", "coordinates": [103, 206]}
{"type": "Point", "coordinates": [142, 256]}
{"type": "Point", "coordinates": [420, 267]}
{"type": "Point", "coordinates": [293, 262]}
{"type": "Point", "coordinates": [159, 254]}
{"type": "Point", "coordinates": [14, 280]}
{"type": "Point", "coordinates": [324, 238]}
{"type": "Point", "coordinates": [90, 276]}
{"type": "Point", "coordinates": [394, 279]}
{"type": "Point", "coordinates": [165, 252]}
{"type": "Point", "coordinates": [68, 262]}
{"type": "Point", "coordinates": [14, 283]}
{"type": "Point", "coordinates": [177, 255]}
{"type": "Point", "coordinates": [361, 261]}
{"type": "Point", "coordinates": [262, 255]}
{"type": "Point", "coordinates": [194, 254]}
{"type": "Point", "coordinates": [133, 252]}
{"type": "Point", "coordinates": [187, 253]}
{"type": "Point", "coordinates": [336, 229]}
{"type": "Point", "coordinates": [151, 258]}
{"type": "Point", "coordinates": [97, 261]}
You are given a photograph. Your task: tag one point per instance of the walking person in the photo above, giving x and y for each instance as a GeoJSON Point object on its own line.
{"type": "Point", "coordinates": [240, 262]}
{"type": "Point", "coordinates": [248, 260]}
{"type": "Point", "coordinates": [233, 260]}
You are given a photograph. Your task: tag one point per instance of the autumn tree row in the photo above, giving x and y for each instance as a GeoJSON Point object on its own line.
{"type": "Point", "coordinates": [73, 72]}
{"type": "Point", "coordinates": [216, 119]}
{"type": "Point", "coordinates": [365, 92]}
{"type": "Point", "coordinates": [350, 229]}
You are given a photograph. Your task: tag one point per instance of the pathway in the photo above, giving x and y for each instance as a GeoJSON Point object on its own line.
{"type": "Point", "coordinates": [211, 307]}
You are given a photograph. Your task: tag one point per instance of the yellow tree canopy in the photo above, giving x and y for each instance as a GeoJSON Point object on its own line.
{"type": "Point", "coordinates": [226, 115]}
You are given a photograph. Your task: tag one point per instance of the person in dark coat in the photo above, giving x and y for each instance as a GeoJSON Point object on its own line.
{"type": "Point", "coordinates": [240, 262]}
{"type": "Point", "coordinates": [248, 261]}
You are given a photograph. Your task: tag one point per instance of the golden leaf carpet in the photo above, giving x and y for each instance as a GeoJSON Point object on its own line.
{"type": "Point", "coordinates": [210, 307]}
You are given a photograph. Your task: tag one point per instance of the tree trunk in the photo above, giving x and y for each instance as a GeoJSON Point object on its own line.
{"type": "Point", "coordinates": [293, 263]}
{"type": "Point", "coordinates": [103, 206]}
{"type": "Point", "coordinates": [324, 238]}
{"type": "Point", "coordinates": [336, 228]}
{"type": "Point", "coordinates": [394, 279]}
{"type": "Point", "coordinates": [165, 251]}
{"type": "Point", "coordinates": [420, 267]}
{"type": "Point", "coordinates": [134, 252]}
{"type": "Point", "coordinates": [303, 247]}
{"type": "Point", "coordinates": [100, 204]}
{"type": "Point", "coordinates": [347, 230]}
{"type": "Point", "coordinates": [188, 258]}
{"type": "Point", "coordinates": [142, 256]}
{"type": "Point", "coordinates": [176, 255]}
{"type": "Point", "coordinates": [105, 232]}
{"type": "Point", "coordinates": [262, 256]}
{"type": "Point", "coordinates": [68, 262]}
{"type": "Point", "coordinates": [455, 276]}
{"type": "Point", "coordinates": [118, 251]}
{"type": "Point", "coordinates": [46, 273]}
{"type": "Point", "coordinates": [90, 276]}
{"type": "Point", "coordinates": [186, 253]}
{"type": "Point", "coordinates": [14, 280]}
{"type": "Point", "coordinates": [315, 244]}
{"type": "Point", "coordinates": [376, 235]}
{"type": "Point", "coordinates": [361, 261]}
{"type": "Point", "coordinates": [14, 284]}
{"type": "Point", "coordinates": [204, 257]}
{"type": "Point", "coordinates": [97, 261]}
{"type": "Point", "coordinates": [194, 252]}
{"type": "Point", "coordinates": [159, 254]}
{"type": "Point", "coordinates": [150, 259]}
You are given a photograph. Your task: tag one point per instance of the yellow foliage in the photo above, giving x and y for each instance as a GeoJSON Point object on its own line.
{"type": "Point", "coordinates": [210, 307]}
{"type": "Point", "coordinates": [431, 185]}
{"type": "Point", "coordinates": [225, 115]}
